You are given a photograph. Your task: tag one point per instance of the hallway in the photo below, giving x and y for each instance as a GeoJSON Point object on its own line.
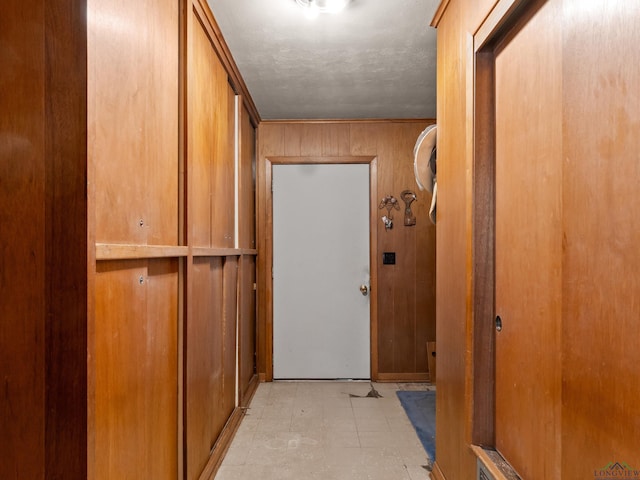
{"type": "Point", "coordinates": [328, 431]}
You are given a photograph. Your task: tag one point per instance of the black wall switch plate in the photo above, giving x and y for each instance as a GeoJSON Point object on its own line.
{"type": "Point", "coordinates": [389, 258]}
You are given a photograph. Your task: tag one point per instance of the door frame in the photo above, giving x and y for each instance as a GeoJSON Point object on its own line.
{"type": "Point", "coordinates": [481, 150]}
{"type": "Point", "coordinates": [373, 242]}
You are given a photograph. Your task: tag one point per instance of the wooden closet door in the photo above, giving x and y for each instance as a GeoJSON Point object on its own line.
{"type": "Point", "coordinates": [528, 112]}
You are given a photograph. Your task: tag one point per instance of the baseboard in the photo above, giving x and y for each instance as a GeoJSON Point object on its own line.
{"type": "Point", "coordinates": [403, 377]}
{"type": "Point", "coordinates": [222, 444]}
{"type": "Point", "coordinates": [436, 473]}
{"type": "Point", "coordinates": [248, 393]}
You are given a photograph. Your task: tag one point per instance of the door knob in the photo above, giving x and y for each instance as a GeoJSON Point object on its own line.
{"type": "Point", "coordinates": [498, 324]}
{"type": "Point", "coordinates": [364, 290]}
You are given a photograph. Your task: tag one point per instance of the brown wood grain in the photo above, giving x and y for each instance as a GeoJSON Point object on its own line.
{"type": "Point", "coordinates": [200, 125]}
{"type": "Point", "coordinates": [601, 234]}
{"type": "Point", "coordinates": [22, 275]}
{"type": "Point", "coordinates": [528, 262]}
{"type": "Point", "coordinates": [223, 165]}
{"type": "Point", "coordinates": [229, 335]}
{"type": "Point", "coordinates": [133, 72]}
{"type": "Point", "coordinates": [247, 326]}
{"type": "Point", "coordinates": [136, 369]}
{"type": "Point", "coordinates": [247, 182]}
{"type": "Point", "coordinates": [453, 460]}
{"type": "Point", "coordinates": [204, 362]}
{"type": "Point", "coordinates": [66, 240]}
{"type": "Point", "coordinates": [43, 273]}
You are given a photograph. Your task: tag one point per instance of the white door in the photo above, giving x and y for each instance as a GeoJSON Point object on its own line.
{"type": "Point", "coordinates": [320, 259]}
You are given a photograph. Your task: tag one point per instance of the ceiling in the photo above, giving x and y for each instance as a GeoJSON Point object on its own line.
{"type": "Point", "coordinates": [375, 59]}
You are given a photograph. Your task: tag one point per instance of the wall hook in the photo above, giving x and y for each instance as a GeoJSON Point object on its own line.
{"type": "Point", "coordinates": [408, 197]}
{"type": "Point", "coordinates": [390, 203]}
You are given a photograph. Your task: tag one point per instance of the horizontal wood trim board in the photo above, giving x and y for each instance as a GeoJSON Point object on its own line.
{"type": "Point", "coordinates": [489, 463]}
{"type": "Point", "coordinates": [221, 252]}
{"type": "Point", "coordinates": [349, 120]}
{"type": "Point", "coordinates": [318, 160]}
{"type": "Point", "coordinates": [116, 251]}
{"type": "Point", "coordinates": [222, 445]}
{"type": "Point", "coordinates": [403, 377]}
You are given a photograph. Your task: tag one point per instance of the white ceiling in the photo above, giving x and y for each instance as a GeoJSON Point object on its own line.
{"type": "Point", "coordinates": [376, 59]}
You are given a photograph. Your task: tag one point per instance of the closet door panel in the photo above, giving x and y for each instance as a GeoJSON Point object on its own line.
{"type": "Point", "coordinates": [136, 369]}
{"type": "Point", "coordinates": [203, 97]}
{"type": "Point", "coordinates": [133, 119]}
{"type": "Point", "coordinates": [230, 303]}
{"type": "Point", "coordinates": [204, 363]}
{"type": "Point", "coordinates": [223, 168]}
{"type": "Point", "coordinates": [528, 245]}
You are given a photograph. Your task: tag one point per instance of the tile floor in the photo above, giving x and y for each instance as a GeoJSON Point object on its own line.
{"type": "Point", "coordinates": [319, 431]}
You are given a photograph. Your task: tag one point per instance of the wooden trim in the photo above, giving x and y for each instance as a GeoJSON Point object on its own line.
{"type": "Point", "coordinates": [436, 473]}
{"type": "Point", "coordinates": [490, 464]}
{"type": "Point", "coordinates": [403, 377]}
{"type": "Point", "coordinates": [495, 21]}
{"type": "Point", "coordinates": [247, 395]}
{"type": "Point", "coordinates": [373, 269]}
{"type": "Point", "coordinates": [60, 355]}
{"type": "Point", "coordinates": [221, 252]}
{"type": "Point", "coordinates": [483, 252]}
{"type": "Point", "coordinates": [319, 160]}
{"type": "Point", "coordinates": [349, 121]}
{"type": "Point", "coordinates": [269, 161]}
{"type": "Point", "coordinates": [121, 251]}
{"type": "Point", "coordinates": [202, 9]}
{"type": "Point", "coordinates": [222, 444]}
{"type": "Point", "coordinates": [435, 21]}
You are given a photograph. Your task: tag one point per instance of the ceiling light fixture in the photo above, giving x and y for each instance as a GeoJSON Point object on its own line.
{"type": "Point", "coordinates": [314, 7]}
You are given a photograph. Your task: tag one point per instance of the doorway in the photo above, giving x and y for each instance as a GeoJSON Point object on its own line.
{"type": "Point", "coordinates": [321, 271]}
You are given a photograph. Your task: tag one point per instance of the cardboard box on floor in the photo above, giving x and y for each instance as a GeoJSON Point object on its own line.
{"type": "Point", "coordinates": [431, 361]}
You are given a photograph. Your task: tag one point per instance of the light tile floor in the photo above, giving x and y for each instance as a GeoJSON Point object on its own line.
{"type": "Point", "coordinates": [319, 431]}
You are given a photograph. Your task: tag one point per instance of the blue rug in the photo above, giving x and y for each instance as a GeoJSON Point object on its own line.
{"type": "Point", "coordinates": [421, 410]}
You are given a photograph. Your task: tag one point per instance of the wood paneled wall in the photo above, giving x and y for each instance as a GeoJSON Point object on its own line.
{"type": "Point", "coordinates": [405, 296]}
{"type": "Point", "coordinates": [43, 240]}
{"type": "Point", "coordinates": [118, 300]}
{"type": "Point", "coordinates": [588, 231]}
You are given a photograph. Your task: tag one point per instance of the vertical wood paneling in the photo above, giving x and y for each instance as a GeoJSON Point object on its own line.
{"type": "Point", "coordinates": [22, 256]}
{"type": "Point", "coordinates": [451, 281]}
{"type": "Point", "coordinates": [230, 317]}
{"type": "Point", "coordinates": [66, 240]}
{"type": "Point", "coordinates": [247, 327]}
{"type": "Point", "coordinates": [43, 266]}
{"type": "Point", "coordinates": [136, 369]}
{"type": "Point", "coordinates": [201, 121]}
{"type": "Point", "coordinates": [204, 362]}
{"type": "Point", "coordinates": [293, 139]}
{"type": "Point", "coordinates": [133, 120]}
{"type": "Point", "coordinates": [528, 256]}
{"type": "Point", "coordinates": [247, 185]}
{"type": "Point", "coordinates": [222, 170]}
{"type": "Point", "coordinates": [601, 378]}
{"type": "Point", "coordinates": [335, 140]}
